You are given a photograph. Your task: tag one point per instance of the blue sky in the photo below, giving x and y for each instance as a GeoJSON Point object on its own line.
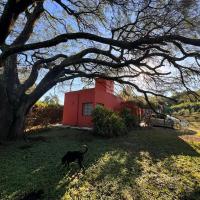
{"type": "Point", "coordinates": [68, 49]}
{"type": "Point", "coordinates": [56, 10]}
{"type": "Point", "coordinates": [60, 90]}
{"type": "Point", "coordinates": [77, 85]}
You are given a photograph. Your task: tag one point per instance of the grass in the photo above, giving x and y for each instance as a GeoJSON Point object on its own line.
{"type": "Point", "coordinates": [147, 164]}
{"type": "Point", "coordinates": [193, 119]}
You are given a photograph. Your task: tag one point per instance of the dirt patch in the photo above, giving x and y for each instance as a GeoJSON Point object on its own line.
{"type": "Point", "coordinates": [190, 138]}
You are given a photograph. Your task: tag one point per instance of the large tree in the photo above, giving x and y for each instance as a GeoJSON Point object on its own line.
{"type": "Point", "coordinates": [151, 45]}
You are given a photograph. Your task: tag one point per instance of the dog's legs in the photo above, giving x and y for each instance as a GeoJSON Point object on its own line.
{"type": "Point", "coordinates": [67, 164]}
{"type": "Point", "coordinates": [82, 168]}
{"type": "Point", "coordinates": [80, 163]}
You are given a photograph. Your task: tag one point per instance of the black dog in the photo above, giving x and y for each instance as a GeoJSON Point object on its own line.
{"type": "Point", "coordinates": [72, 156]}
{"type": "Point", "coordinates": [35, 195]}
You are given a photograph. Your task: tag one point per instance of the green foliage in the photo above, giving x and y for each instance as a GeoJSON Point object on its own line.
{"type": "Point", "coordinates": [107, 123]}
{"type": "Point", "coordinates": [51, 100]}
{"type": "Point", "coordinates": [193, 119]}
{"type": "Point", "coordinates": [130, 120]}
{"type": "Point", "coordinates": [46, 104]}
{"type": "Point", "coordinates": [185, 108]}
{"type": "Point", "coordinates": [167, 110]}
{"type": "Point", "coordinates": [43, 114]}
{"type": "Point", "coordinates": [41, 104]}
{"type": "Point", "coordinates": [185, 96]}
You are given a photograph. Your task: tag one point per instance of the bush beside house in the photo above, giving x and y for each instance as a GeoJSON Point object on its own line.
{"type": "Point", "coordinates": [130, 120]}
{"type": "Point", "coordinates": [108, 123]}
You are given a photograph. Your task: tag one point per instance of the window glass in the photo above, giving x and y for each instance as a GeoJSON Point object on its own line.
{"type": "Point", "coordinates": [87, 109]}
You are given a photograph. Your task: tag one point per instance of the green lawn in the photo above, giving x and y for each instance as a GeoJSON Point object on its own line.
{"type": "Point", "coordinates": [147, 164]}
{"type": "Point", "coordinates": [194, 119]}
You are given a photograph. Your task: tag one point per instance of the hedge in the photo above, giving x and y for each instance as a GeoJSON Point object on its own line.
{"type": "Point", "coordinates": [190, 106]}
{"type": "Point", "coordinates": [43, 114]}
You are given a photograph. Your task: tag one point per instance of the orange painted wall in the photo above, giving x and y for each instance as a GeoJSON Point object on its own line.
{"type": "Point", "coordinates": [101, 94]}
{"type": "Point", "coordinates": [85, 96]}
{"type": "Point", "coordinates": [70, 108]}
{"type": "Point", "coordinates": [104, 90]}
{"type": "Point", "coordinates": [72, 112]}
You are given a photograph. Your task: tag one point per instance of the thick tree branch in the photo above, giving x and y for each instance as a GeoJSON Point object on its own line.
{"type": "Point", "coordinates": [103, 40]}
{"type": "Point", "coordinates": [10, 14]}
{"type": "Point", "coordinates": [28, 28]}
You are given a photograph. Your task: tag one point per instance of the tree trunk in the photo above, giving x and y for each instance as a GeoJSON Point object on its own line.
{"type": "Point", "coordinates": [17, 127]}
{"type": "Point", "coordinates": [12, 108]}
{"type": "Point", "coordinates": [12, 126]}
{"type": "Point", "coordinates": [11, 118]}
{"type": "Point", "coordinates": [6, 115]}
{"type": "Point", "coordinates": [12, 121]}
{"type": "Point", "coordinates": [15, 103]}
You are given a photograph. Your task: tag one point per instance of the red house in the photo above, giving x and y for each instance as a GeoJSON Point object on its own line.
{"type": "Point", "coordinates": [78, 105]}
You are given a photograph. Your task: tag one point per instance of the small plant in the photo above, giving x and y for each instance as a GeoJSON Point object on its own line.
{"type": "Point", "coordinates": [130, 120]}
{"type": "Point", "coordinates": [107, 123]}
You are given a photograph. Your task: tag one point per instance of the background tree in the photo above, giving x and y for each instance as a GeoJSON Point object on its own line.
{"type": "Point", "coordinates": [153, 46]}
{"type": "Point", "coordinates": [51, 99]}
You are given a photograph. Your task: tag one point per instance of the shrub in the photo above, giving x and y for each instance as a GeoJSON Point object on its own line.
{"type": "Point", "coordinates": [107, 123]}
{"type": "Point", "coordinates": [130, 120]}
{"type": "Point", "coordinates": [187, 107]}
{"type": "Point", "coordinates": [117, 126]}
{"type": "Point", "coordinates": [43, 114]}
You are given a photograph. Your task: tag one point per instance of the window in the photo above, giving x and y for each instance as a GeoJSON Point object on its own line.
{"type": "Point", "coordinates": [87, 109]}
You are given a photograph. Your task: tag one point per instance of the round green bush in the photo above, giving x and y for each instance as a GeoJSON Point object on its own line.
{"type": "Point", "coordinates": [107, 123]}
{"type": "Point", "coordinates": [129, 119]}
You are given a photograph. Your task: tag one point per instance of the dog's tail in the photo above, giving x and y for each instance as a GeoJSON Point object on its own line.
{"type": "Point", "coordinates": [85, 149]}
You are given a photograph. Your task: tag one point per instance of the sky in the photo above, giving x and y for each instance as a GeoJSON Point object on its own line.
{"type": "Point", "coordinates": [77, 84]}
{"type": "Point", "coordinates": [65, 48]}
{"type": "Point", "coordinates": [60, 90]}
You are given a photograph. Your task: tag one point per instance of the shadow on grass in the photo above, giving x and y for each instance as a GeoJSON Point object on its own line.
{"type": "Point", "coordinates": [112, 166]}
{"type": "Point", "coordinates": [194, 195]}
{"type": "Point", "coordinates": [35, 165]}
{"type": "Point", "coordinates": [159, 142]}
